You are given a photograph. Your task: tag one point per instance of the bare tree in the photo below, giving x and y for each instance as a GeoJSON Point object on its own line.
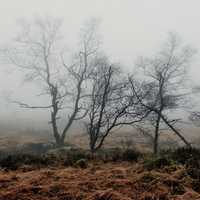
{"type": "Point", "coordinates": [110, 104]}
{"type": "Point", "coordinates": [80, 71]}
{"type": "Point", "coordinates": [38, 52]}
{"type": "Point", "coordinates": [162, 91]}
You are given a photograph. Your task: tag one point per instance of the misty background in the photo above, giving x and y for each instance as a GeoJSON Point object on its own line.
{"type": "Point", "coordinates": [128, 29]}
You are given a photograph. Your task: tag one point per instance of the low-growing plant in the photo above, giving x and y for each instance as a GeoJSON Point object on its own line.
{"type": "Point", "coordinates": [71, 157]}
{"type": "Point", "coordinates": [183, 154]}
{"type": "Point", "coordinates": [117, 154]}
{"type": "Point", "coordinates": [16, 160]}
{"type": "Point", "coordinates": [130, 155]}
{"type": "Point", "coordinates": [157, 162]}
{"type": "Point", "coordinates": [105, 155]}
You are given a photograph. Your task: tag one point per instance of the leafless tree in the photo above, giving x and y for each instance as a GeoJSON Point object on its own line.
{"type": "Point", "coordinates": [110, 104]}
{"type": "Point", "coordinates": [39, 53]}
{"type": "Point", "coordinates": [162, 90]}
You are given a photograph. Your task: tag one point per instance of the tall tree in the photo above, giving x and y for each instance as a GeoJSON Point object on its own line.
{"type": "Point", "coordinates": [38, 51]}
{"type": "Point", "coordinates": [162, 90]}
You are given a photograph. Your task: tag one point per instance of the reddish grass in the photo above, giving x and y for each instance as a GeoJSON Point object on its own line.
{"type": "Point", "coordinates": [110, 181]}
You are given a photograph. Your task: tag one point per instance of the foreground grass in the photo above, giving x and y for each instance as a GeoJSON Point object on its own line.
{"type": "Point", "coordinates": [99, 181]}
{"type": "Point", "coordinates": [111, 174]}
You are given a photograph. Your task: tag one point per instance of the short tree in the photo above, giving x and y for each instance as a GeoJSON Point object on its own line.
{"type": "Point", "coordinates": [110, 104]}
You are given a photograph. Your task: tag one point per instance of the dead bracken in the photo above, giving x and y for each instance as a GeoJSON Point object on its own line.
{"type": "Point", "coordinates": [110, 181]}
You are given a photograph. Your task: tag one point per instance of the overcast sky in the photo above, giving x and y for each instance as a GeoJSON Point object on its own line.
{"type": "Point", "coordinates": [129, 28]}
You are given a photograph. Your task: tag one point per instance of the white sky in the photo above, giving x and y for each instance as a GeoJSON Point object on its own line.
{"type": "Point", "coordinates": [129, 28]}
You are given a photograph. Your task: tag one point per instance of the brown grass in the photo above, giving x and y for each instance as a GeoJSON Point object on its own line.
{"type": "Point", "coordinates": [110, 181]}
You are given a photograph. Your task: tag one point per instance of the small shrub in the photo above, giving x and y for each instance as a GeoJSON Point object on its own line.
{"type": "Point", "coordinates": [112, 154]}
{"type": "Point", "coordinates": [166, 152]}
{"type": "Point", "coordinates": [116, 154]}
{"type": "Point", "coordinates": [190, 157]}
{"type": "Point", "coordinates": [192, 162]}
{"type": "Point", "coordinates": [130, 155]}
{"type": "Point", "coordinates": [73, 156]}
{"type": "Point", "coordinates": [183, 154]}
{"type": "Point", "coordinates": [14, 161]}
{"type": "Point", "coordinates": [9, 163]}
{"type": "Point", "coordinates": [156, 163]}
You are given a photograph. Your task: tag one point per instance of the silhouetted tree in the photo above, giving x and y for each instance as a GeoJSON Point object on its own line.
{"type": "Point", "coordinates": [38, 51]}
{"type": "Point", "coordinates": [110, 104]}
{"type": "Point", "coordinates": [162, 90]}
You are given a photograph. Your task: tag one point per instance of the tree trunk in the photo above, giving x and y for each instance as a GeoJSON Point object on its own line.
{"type": "Point", "coordinates": [175, 131]}
{"type": "Point", "coordinates": [61, 142]}
{"type": "Point", "coordinates": [155, 145]}
{"type": "Point", "coordinates": [92, 143]}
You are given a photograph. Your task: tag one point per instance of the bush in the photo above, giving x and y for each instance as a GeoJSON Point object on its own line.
{"type": "Point", "coordinates": [190, 157]}
{"type": "Point", "coordinates": [116, 154]}
{"type": "Point", "coordinates": [73, 156]}
{"type": "Point", "coordinates": [106, 155]}
{"type": "Point", "coordinates": [14, 161]}
{"type": "Point", "coordinates": [130, 155]}
{"type": "Point", "coordinates": [157, 162]}
{"type": "Point", "coordinates": [184, 155]}
{"type": "Point", "coordinates": [166, 152]}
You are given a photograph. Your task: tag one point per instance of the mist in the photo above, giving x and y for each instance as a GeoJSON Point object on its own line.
{"type": "Point", "coordinates": [128, 29]}
{"type": "Point", "coordinates": [99, 100]}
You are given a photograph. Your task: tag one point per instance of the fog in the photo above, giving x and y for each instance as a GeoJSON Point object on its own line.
{"type": "Point", "coordinates": [129, 28]}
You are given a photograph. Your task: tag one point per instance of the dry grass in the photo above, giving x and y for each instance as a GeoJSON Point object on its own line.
{"type": "Point", "coordinates": [11, 139]}
{"type": "Point", "coordinates": [110, 181]}
{"type": "Point", "coordinates": [99, 181]}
